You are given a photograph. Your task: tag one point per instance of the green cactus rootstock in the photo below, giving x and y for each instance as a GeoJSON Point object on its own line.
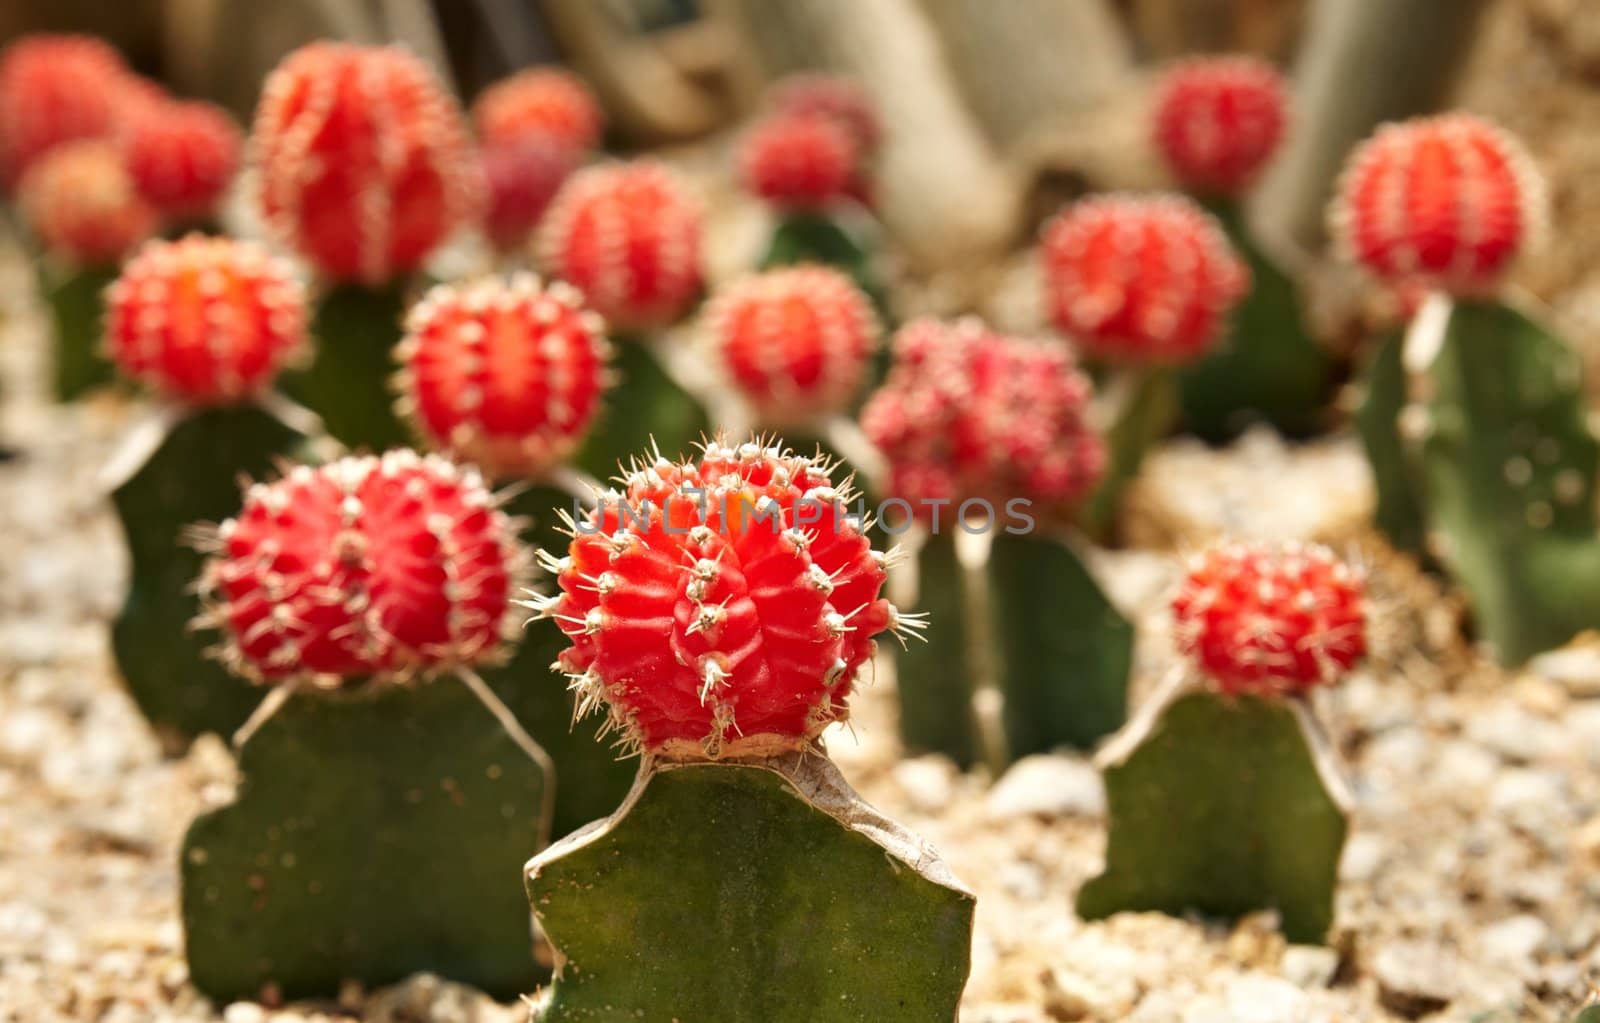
{"type": "Point", "coordinates": [347, 383]}
{"type": "Point", "coordinates": [819, 238]}
{"type": "Point", "coordinates": [1509, 464]}
{"type": "Point", "coordinates": [76, 298]}
{"type": "Point", "coordinates": [1268, 368]}
{"type": "Point", "coordinates": [1399, 497]}
{"type": "Point", "coordinates": [645, 410]}
{"type": "Point", "coordinates": [933, 672]}
{"type": "Point", "coordinates": [1063, 651]}
{"type": "Point", "coordinates": [377, 832]}
{"type": "Point", "coordinates": [193, 477]}
{"type": "Point", "coordinates": [750, 891]}
{"type": "Point", "coordinates": [1147, 407]}
{"type": "Point", "coordinates": [1221, 806]}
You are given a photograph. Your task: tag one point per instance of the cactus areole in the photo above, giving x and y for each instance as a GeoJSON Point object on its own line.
{"type": "Point", "coordinates": [386, 566]}
{"type": "Point", "coordinates": [1218, 121]}
{"type": "Point", "coordinates": [1448, 202]}
{"type": "Point", "coordinates": [720, 607]}
{"type": "Point", "coordinates": [205, 321]}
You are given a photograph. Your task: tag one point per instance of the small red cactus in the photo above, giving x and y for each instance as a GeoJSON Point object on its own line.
{"type": "Point", "coordinates": [522, 177]}
{"type": "Point", "coordinates": [969, 413]}
{"type": "Point", "coordinates": [1218, 121]}
{"type": "Point", "coordinates": [796, 341]}
{"type": "Point", "coordinates": [1136, 280]}
{"type": "Point", "coordinates": [543, 103]}
{"type": "Point", "coordinates": [508, 374]}
{"type": "Point", "coordinates": [182, 156]}
{"type": "Point", "coordinates": [208, 321]}
{"type": "Point", "coordinates": [81, 204]}
{"type": "Point", "coordinates": [364, 159]}
{"type": "Point", "coordinates": [1271, 619]}
{"type": "Point", "coordinates": [734, 622]}
{"type": "Point", "coordinates": [628, 236]}
{"type": "Point", "coordinates": [799, 161]}
{"type": "Point", "coordinates": [833, 96]}
{"type": "Point", "coordinates": [54, 89]}
{"type": "Point", "coordinates": [368, 566]}
{"type": "Point", "coordinates": [1447, 201]}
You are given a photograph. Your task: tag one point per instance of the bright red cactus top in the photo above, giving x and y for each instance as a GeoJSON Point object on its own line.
{"type": "Point", "coordinates": [364, 159]}
{"type": "Point", "coordinates": [628, 236]}
{"type": "Point", "coordinates": [799, 161]}
{"type": "Point", "coordinates": [508, 374]}
{"type": "Point", "coordinates": [833, 96]}
{"type": "Point", "coordinates": [1257, 618]}
{"type": "Point", "coordinates": [1447, 201]}
{"type": "Point", "coordinates": [732, 624]}
{"type": "Point", "coordinates": [795, 341]}
{"type": "Point", "coordinates": [182, 156]}
{"type": "Point", "coordinates": [522, 177]}
{"type": "Point", "coordinates": [542, 102]}
{"type": "Point", "coordinates": [81, 204]}
{"type": "Point", "coordinates": [54, 89]}
{"type": "Point", "coordinates": [1140, 280]}
{"type": "Point", "coordinates": [208, 321]}
{"type": "Point", "coordinates": [970, 413]}
{"type": "Point", "coordinates": [1218, 121]}
{"type": "Point", "coordinates": [369, 566]}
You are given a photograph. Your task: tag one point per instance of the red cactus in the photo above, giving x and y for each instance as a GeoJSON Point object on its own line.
{"type": "Point", "coordinates": [969, 413]}
{"type": "Point", "coordinates": [543, 103]}
{"type": "Point", "coordinates": [364, 159]}
{"type": "Point", "coordinates": [734, 622]}
{"type": "Point", "coordinates": [81, 204]}
{"type": "Point", "coordinates": [1271, 619]}
{"type": "Point", "coordinates": [508, 374]}
{"type": "Point", "coordinates": [831, 96]}
{"type": "Point", "coordinates": [1140, 280]}
{"type": "Point", "coordinates": [522, 177]}
{"type": "Point", "coordinates": [799, 161]}
{"type": "Point", "coordinates": [366, 566]}
{"type": "Point", "coordinates": [208, 321]}
{"type": "Point", "coordinates": [1218, 120]}
{"type": "Point", "coordinates": [628, 236]}
{"type": "Point", "coordinates": [1448, 202]}
{"type": "Point", "coordinates": [796, 341]}
{"type": "Point", "coordinates": [182, 156]}
{"type": "Point", "coordinates": [54, 89]}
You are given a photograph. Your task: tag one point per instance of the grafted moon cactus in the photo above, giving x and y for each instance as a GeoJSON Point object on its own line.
{"type": "Point", "coordinates": [720, 638]}
{"type": "Point", "coordinates": [382, 811]}
{"type": "Point", "coordinates": [183, 156]}
{"type": "Point", "coordinates": [1223, 796]}
{"type": "Point", "coordinates": [55, 89]}
{"type": "Point", "coordinates": [545, 103]}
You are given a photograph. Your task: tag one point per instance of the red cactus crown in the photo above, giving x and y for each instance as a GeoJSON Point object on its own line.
{"type": "Point", "coordinates": [182, 156]}
{"type": "Point", "coordinates": [799, 161]}
{"type": "Point", "coordinates": [80, 202]}
{"type": "Point", "coordinates": [54, 89]}
{"type": "Point", "coordinates": [544, 103]}
{"type": "Point", "coordinates": [1218, 120]}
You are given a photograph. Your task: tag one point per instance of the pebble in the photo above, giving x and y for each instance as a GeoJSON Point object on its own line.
{"type": "Point", "coordinates": [928, 782]}
{"type": "Point", "coordinates": [1309, 966]}
{"type": "Point", "coordinates": [1416, 978]}
{"type": "Point", "coordinates": [1575, 666]}
{"type": "Point", "coordinates": [1047, 785]}
{"type": "Point", "coordinates": [1515, 943]}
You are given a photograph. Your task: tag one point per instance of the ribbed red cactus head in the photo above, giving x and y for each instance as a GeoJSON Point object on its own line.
{"type": "Point", "coordinates": [1140, 280]}
{"type": "Point", "coordinates": [544, 103]}
{"type": "Point", "coordinates": [364, 162]}
{"type": "Point", "coordinates": [1259, 618]}
{"type": "Point", "coordinates": [1218, 120]}
{"type": "Point", "coordinates": [1446, 201]}
{"type": "Point", "coordinates": [207, 321]}
{"type": "Point", "coordinates": [967, 413]}
{"type": "Point", "coordinates": [506, 373]}
{"type": "Point", "coordinates": [799, 161]}
{"type": "Point", "coordinates": [720, 607]}
{"type": "Point", "coordinates": [628, 236]}
{"type": "Point", "coordinates": [522, 177]}
{"type": "Point", "coordinates": [835, 96]}
{"type": "Point", "coordinates": [369, 566]}
{"type": "Point", "coordinates": [182, 156]}
{"type": "Point", "coordinates": [795, 341]}
{"type": "Point", "coordinates": [79, 201]}
{"type": "Point", "coordinates": [54, 89]}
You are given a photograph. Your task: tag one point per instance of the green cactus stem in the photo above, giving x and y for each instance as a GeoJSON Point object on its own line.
{"type": "Point", "coordinates": [936, 678]}
{"type": "Point", "coordinates": [1499, 427]}
{"type": "Point", "coordinates": [1221, 806]}
{"type": "Point", "coordinates": [646, 410]}
{"type": "Point", "coordinates": [1268, 368]}
{"type": "Point", "coordinates": [1063, 652]}
{"type": "Point", "coordinates": [376, 832]}
{"type": "Point", "coordinates": [1589, 1015]}
{"type": "Point", "coordinates": [356, 329]}
{"type": "Point", "coordinates": [181, 476]}
{"type": "Point", "coordinates": [819, 238]}
{"type": "Point", "coordinates": [751, 890]}
{"type": "Point", "coordinates": [1399, 497]}
{"type": "Point", "coordinates": [76, 297]}
{"type": "Point", "coordinates": [1141, 407]}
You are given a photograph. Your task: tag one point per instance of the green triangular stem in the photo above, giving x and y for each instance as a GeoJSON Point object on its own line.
{"type": "Point", "coordinates": [76, 299]}
{"type": "Point", "coordinates": [1138, 408]}
{"type": "Point", "coordinates": [349, 381]}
